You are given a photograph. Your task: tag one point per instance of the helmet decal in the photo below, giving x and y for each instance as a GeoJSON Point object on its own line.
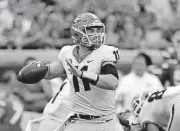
{"type": "Point", "coordinates": [77, 20]}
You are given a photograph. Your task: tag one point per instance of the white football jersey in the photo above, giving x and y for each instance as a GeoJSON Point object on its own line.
{"type": "Point", "coordinates": [157, 108]}
{"type": "Point", "coordinates": [61, 104]}
{"type": "Point", "coordinates": [90, 99]}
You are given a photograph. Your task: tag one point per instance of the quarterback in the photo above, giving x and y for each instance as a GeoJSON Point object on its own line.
{"type": "Point", "coordinates": [90, 66]}
{"type": "Point", "coordinates": [158, 111]}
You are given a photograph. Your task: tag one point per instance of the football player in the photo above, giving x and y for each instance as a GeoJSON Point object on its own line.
{"type": "Point", "coordinates": [90, 66]}
{"type": "Point", "coordinates": [158, 111]}
{"type": "Point", "coordinates": [57, 110]}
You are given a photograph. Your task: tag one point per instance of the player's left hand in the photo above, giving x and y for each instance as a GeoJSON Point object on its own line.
{"type": "Point", "coordinates": [73, 69]}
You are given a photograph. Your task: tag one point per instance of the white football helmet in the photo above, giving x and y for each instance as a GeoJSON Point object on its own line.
{"type": "Point", "coordinates": [82, 24]}
{"type": "Point", "coordinates": [138, 101]}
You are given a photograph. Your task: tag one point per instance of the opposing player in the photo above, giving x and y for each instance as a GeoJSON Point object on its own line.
{"type": "Point", "coordinates": [158, 111]}
{"type": "Point", "coordinates": [90, 68]}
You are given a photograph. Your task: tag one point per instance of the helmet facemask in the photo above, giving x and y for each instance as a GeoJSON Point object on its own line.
{"type": "Point", "coordinates": [137, 106]}
{"type": "Point", "coordinates": [138, 101]}
{"type": "Point", "coordinates": [91, 38]}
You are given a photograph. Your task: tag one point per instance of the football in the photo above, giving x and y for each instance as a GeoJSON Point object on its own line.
{"type": "Point", "coordinates": [32, 73]}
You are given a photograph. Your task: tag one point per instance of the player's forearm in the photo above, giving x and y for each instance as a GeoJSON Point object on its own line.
{"type": "Point", "coordinates": [55, 69]}
{"type": "Point", "coordinates": [108, 81]}
{"type": "Point", "coordinates": [49, 75]}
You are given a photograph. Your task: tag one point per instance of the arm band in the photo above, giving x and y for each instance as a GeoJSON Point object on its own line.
{"type": "Point", "coordinates": [109, 69]}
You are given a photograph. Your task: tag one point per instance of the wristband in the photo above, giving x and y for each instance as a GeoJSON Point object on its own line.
{"type": "Point", "coordinates": [93, 78]}
{"type": "Point", "coordinates": [95, 82]}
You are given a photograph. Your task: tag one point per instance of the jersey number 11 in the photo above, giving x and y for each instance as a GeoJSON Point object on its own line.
{"type": "Point", "coordinates": [85, 81]}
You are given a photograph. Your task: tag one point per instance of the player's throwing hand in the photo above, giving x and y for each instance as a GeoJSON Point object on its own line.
{"type": "Point", "coordinates": [73, 69]}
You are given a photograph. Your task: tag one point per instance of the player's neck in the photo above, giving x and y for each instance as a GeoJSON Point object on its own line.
{"type": "Point", "coordinates": [84, 50]}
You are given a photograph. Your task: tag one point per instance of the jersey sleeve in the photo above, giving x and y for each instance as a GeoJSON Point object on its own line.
{"type": "Point", "coordinates": [62, 54]}
{"type": "Point", "coordinates": [111, 54]}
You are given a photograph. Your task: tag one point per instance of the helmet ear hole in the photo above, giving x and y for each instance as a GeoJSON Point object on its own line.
{"type": "Point", "coordinates": [82, 29]}
{"type": "Point", "coordinates": [145, 95]}
{"type": "Point", "coordinates": [76, 35]}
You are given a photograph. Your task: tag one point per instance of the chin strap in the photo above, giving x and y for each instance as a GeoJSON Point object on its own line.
{"type": "Point", "coordinates": [92, 47]}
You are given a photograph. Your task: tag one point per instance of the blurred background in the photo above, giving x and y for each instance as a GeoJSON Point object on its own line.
{"type": "Point", "coordinates": [38, 29]}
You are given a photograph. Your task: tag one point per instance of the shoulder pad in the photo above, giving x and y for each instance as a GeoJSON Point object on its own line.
{"type": "Point", "coordinates": [63, 51]}
{"type": "Point", "coordinates": [110, 54]}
